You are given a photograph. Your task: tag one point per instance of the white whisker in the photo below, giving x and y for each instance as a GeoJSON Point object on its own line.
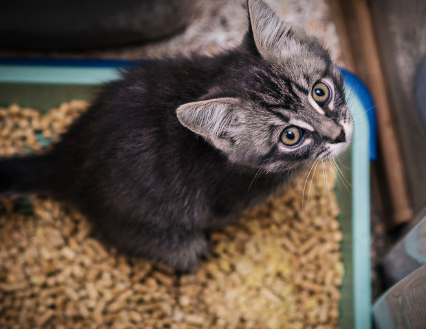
{"type": "Point", "coordinates": [304, 186]}
{"type": "Point", "coordinates": [252, 181]}
{"type": "Point", "coordinates": [310, 185]}
{"type": "Point", "coordinates": [325, 177]}
{"type": "Point", "coordinates": [343, 176]}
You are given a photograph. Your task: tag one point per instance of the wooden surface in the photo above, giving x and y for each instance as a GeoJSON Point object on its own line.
{"type": "Point", "coordinates": [403, 306]}
{"type": "Point", "coordinates": [361, 49]}
{"type": "Point", "coordinates": [342, 27]}
{"type": "Point", "coordinates": [408, 254]}
{"type": "Point", "coordinates": [401, 39]}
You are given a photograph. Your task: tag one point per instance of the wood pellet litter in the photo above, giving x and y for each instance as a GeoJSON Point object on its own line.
{"type": "Point", "coordinates": [279, 267]}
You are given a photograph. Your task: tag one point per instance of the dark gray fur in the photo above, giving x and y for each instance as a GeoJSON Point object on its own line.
{"type": "Point", "coordinates": [179, 147]}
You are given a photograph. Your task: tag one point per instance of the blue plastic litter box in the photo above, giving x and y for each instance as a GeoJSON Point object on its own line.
{"type": "Point", "coordinates": [44, 84]}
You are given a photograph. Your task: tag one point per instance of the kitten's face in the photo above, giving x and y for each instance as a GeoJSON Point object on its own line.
{"type": "Point", "coordinates": [285, 108]}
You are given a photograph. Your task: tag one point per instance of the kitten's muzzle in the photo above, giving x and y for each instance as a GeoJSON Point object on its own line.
{"type": "Point", "coordinates": [341, 138]}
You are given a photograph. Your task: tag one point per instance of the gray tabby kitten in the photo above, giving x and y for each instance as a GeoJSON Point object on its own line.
{"type": "Point", "coordinates": [179, 147]}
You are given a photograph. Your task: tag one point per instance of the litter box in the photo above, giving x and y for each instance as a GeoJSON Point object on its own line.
{"type": "Point", "coordinates": [44, 84]}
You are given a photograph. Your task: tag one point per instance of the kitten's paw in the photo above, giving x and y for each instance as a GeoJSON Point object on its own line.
{"type": "Point", "coordinates": [187, 258]}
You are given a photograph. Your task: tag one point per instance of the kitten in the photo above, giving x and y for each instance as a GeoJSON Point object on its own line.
{"type": "Point", "coordinates": [182, 146]}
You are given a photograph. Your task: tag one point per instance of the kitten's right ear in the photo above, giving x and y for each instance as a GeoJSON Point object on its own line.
{"type": "Point", "coordinates": [274, 38]}
{"type": "Point", "coordinates": [211, 119]}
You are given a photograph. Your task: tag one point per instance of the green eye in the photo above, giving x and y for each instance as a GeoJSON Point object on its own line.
{"type": "Point", "coordinates": [291, 136]}
{"type": "Point", "coordinates": [321, 93]}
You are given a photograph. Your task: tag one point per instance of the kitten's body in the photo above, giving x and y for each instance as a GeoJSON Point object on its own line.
{"type": "Point", "coordinates": [152, 186]}
{"type": "Point", "coordinates": [143, 177]}
{"type": "Point", "coordinates": [179, 175]}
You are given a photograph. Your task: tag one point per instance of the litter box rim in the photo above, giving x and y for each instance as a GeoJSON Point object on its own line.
{"type": "Point", "coordinates": [356, 313]}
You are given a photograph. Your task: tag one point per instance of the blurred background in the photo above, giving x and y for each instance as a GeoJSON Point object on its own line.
{"type": "Point", "coordinates": [382, 41]}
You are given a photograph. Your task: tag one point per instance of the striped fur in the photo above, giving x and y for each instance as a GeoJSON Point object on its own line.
{"type": "Point", "coordinates": [276, 94]}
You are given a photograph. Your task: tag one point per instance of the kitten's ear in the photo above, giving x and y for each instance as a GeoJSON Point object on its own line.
{"type": "Point", "coordinates": [274, 38]}
{"type": "Point", "coordinates": [210, 118]}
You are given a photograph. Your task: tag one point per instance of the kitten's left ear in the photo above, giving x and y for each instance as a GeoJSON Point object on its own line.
{"type": "Point", "coordinates": [212, 119]}
{"type": "Point", "coordinates": [274, 39]}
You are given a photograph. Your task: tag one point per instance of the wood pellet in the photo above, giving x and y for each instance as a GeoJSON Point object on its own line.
{"type": "Point", "coordinates": [279, 267]}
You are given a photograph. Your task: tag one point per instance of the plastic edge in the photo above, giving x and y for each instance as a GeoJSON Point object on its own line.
{"type": "Point", "coordinates": [361, 218]}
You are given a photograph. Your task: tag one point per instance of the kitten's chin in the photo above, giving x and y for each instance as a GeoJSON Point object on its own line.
{"type": "Point", "coordinates": [280, 168]}
{"type": "Point", "coordinates": [335, 150]}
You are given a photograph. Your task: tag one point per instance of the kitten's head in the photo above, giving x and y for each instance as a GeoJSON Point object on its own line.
{"type": "Point", "coordinates": [280, 105]}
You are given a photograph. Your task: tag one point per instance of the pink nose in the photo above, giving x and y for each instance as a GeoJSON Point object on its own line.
{"type": "Point", "coordinates": [341, 138]}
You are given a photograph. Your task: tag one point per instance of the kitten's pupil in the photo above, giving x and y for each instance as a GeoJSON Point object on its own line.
{"type": "Point", "coordinates": [290, 135]}
{"type": "Point", "coordinates": [319, 92]}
